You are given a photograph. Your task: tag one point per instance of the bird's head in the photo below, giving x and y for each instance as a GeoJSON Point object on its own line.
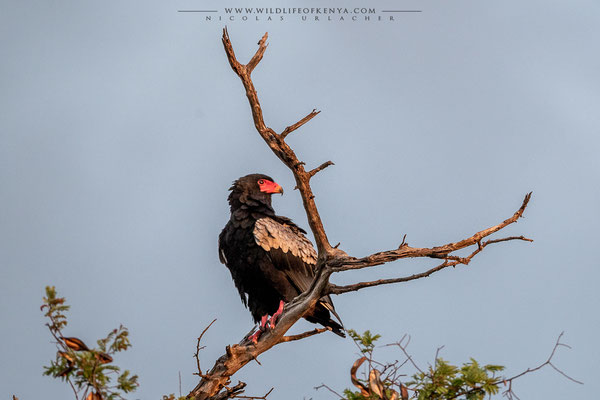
{"type": "Point", "coordinates": [252, 190]}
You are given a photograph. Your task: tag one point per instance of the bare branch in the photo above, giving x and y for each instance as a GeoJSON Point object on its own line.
{"type": "Point", "coordinates": [506, 239]}
{"type": "Point", "coordinates": [403, 241]}
{"type": "Point", "coordinates": [321, 386]}
{"type": "Point", "coordinates": [229, 393]}
{"type": "Point", "coordinates": [198, 348]}
{"type": "Point", "coordinates": [548, 362]}
{"type": "Point", "coordinates": [235, 65]}
{"type": "Point", "coordinates": [320, 168]}
{"type": "Point", "coordinates": [298, 124]}
{"type": "Point", "coordinates": [262, 47]}
{"type": "Point", "coordinates": [509, 393]}
{"type": "Point", "coordinates": [330, 259]}
{"type": "Point", "coordinates": [403, 347]}
{"type": "Point", "coordinates": [278, 145]}
{"type": "Point", "coordinates": [405, 251]}
{"type": "Point", "coordinates": [450, 261]}
{"type": "Point", "coordinates": [335, 289]}
{"type": "Point", "coordinates": [437, 353]}
{"type": "Point", "coordinates": [264, 397]}
{"type": "Point", "coordinates": [73, 388]}
{"type": "Point", "coordinates": [292, 338]}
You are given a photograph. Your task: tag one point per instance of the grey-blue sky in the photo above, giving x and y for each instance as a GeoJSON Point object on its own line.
{"type": "Point", "coordinates": [122, 127]}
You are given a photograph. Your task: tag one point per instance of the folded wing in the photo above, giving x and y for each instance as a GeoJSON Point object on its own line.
{"type": "Point", "coordinates": [292, 253]}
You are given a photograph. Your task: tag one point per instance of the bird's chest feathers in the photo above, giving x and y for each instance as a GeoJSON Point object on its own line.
{"type": "Point", "coordinates": [238, 247]}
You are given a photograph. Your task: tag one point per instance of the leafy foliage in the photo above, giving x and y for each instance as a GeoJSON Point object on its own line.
{"type": "Point", "coordinates": [91, 374]}
{"type": "Point", "coordinates": [89, 371]}
{"type": "Point", "coordinates": [441, 381]}
{"type": "Point", "coordinates": [365, 342]}
{"type": "Point", "coordinates": [55, 307]}
{"type": "Point", "coordinates": [446, 381]}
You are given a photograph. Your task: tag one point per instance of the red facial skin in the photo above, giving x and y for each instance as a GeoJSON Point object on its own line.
{"type": "Point", "coordinates": [267, 186]}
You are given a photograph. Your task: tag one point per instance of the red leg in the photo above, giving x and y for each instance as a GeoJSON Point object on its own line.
{"type": "Point", "coordinates": [261, 329]}
{"type": "Point", "coordinates": [277, 314]}
{"type": "Point", "coordinates": [255, 336]}
{"type": "Point", "coordinates": [263, 321]}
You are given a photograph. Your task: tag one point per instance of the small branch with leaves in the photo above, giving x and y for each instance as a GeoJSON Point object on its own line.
{"type": "Point", "coordinates": [441, 381]}
{"type": "Point", "coordinates": [89, 371]}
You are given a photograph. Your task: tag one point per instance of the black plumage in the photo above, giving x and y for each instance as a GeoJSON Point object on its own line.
{"type": "Point", "coordinates": [269, 257]}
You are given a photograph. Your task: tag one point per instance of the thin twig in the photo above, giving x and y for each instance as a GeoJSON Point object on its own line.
{"type": "Point", "coordinates": [406, 354]}
{"type": "Point", "coordinates": [322, 385]}
{"type": "Point", "coordinates": [262, 47]}
{"type": "Point", "coordinates": [229, 393]}
{"type": "Point", "coordinates": [335, 289]}
{"type": "Point", "coordinates": [198, 348]}
{"type": "Point", "coordinates": [437, 353]}
{"type": "Point", "coordinates": [299, 336]}
{"type": "Point", "coordinates": [298, 124]}
{"type": "Point", "coordinates": [264, 397]}
{"type": "Point", "coordinates": [548, 362]}
{"type": "Point", "coordinates": [61, 344]}
{"type": "Point", "coordinates": [344, 264]}
{"type": "Point", "coordinates": [320, 168]}
{"type": "Point", "coordinates": [509, 393]}
{"type": "Point", "coordinates": [450, 261]}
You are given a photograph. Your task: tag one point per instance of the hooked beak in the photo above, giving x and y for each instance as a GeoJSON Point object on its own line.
{"type": "Point", "coordinates": [270, 187]}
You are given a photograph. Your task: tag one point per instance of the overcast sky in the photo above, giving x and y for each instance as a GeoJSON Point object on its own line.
{"type": "Point", "coordinates": [122, 126]}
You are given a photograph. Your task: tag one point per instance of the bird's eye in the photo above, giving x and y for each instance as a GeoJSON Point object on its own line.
{"type": "Point", "coordinates": [260, 182]}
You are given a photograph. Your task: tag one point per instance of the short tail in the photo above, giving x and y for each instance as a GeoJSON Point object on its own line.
{"type": "Point", "coordinates": [335, 328]}
{"type": "Point", "coordinates": [321, 316]}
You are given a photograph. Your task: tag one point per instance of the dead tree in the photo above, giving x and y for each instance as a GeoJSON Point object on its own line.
{"type": "Point", "coordinates": [214, 383]}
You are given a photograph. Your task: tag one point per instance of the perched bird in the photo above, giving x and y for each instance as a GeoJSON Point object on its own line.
{"type": "Point", "coordinates": [270, 259]}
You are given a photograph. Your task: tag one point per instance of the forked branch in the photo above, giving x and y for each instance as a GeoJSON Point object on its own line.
{"type": "Point", "coordinates": [277, 143]}
{"type": "Point", "coordinates": [510, 394]}
{"type": "Point", "coordinates": [214, 383]}
{"type": "Point", "coordinates": [472, 388]}
{"type": "Point", "coordinates": [298, 124]}
{"type": "Point", "coordinates": [443, 252]}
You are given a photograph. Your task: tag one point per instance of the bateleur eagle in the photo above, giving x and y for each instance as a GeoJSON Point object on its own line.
{"type": "Point", "coordinates": [270, 259]}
